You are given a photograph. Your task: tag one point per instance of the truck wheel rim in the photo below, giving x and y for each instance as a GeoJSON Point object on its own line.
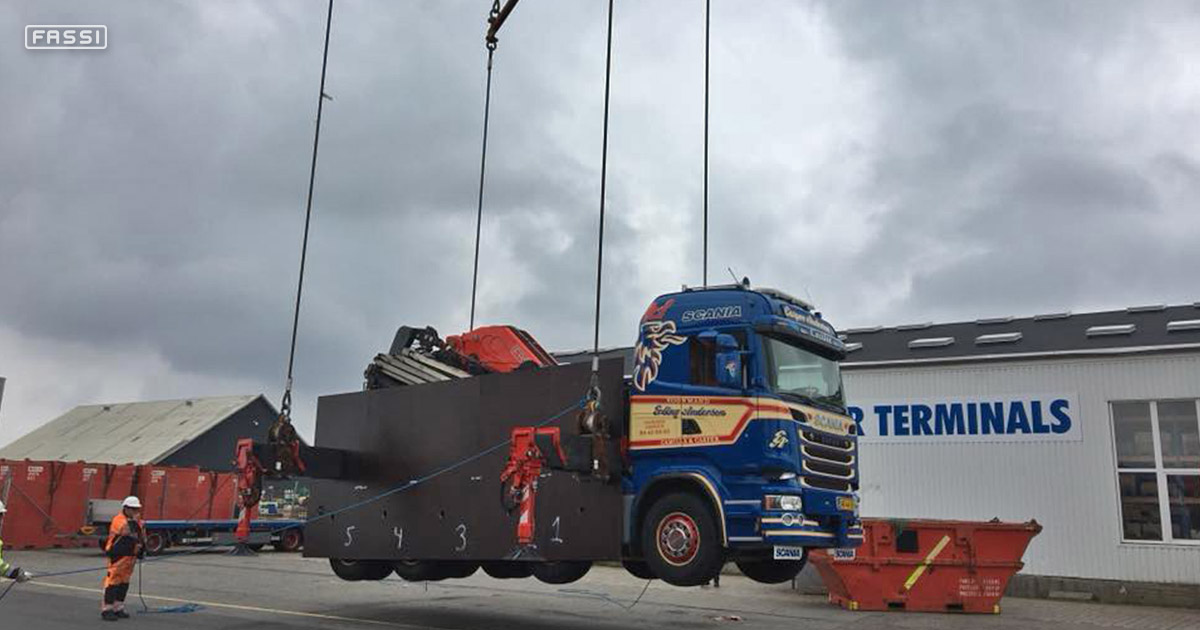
{"type": "Point", "coordinates": [678, 539]}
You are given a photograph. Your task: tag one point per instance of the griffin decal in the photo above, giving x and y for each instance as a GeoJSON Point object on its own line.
{"type": "Point", "coordinates": [647, 355]}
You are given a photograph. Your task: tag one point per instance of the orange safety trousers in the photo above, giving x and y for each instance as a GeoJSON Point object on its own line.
{"type": "Point", "coordinates": [120, 571]}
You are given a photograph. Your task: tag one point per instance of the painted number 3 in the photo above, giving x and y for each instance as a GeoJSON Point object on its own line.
{"type": "Point", "coordinates": [461, 530]}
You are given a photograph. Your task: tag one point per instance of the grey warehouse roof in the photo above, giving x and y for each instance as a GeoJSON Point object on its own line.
{"type": "Point", "coordinates": [1139, 328]}
{"type": "Point", "coordinates": [1152, 328]}
{"type": "Point", "coordinates": [125, 433]}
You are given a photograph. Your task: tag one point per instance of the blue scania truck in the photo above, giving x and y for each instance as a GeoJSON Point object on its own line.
{"type": "Point", "coordinates": [728, 441]}
{"type": "Point", "coordinates": [739, 438]}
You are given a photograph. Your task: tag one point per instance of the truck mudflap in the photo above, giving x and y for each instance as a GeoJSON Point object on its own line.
{"type": "Point", "coordinates": [464, 429]}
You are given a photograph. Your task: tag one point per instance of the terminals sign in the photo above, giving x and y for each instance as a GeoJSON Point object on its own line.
{"type": "Point", "coordinates": [68, 36]}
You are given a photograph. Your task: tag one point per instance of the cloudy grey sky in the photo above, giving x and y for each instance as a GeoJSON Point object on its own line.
{"type": "Point", "coordinates": [894, 161]}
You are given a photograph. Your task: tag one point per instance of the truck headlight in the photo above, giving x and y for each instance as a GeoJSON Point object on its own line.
{"type": "Point", "coordinates": [787, 502]}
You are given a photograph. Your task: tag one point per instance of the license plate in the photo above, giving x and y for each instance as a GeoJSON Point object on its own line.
{"type": "Point", "coordinates": [845, 503]}
{"type": "Point", "coordinates": [843, 555]}
{"type": "Point", "coordinates": [789, 553]}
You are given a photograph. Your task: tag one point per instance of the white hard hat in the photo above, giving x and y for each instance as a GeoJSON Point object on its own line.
{"type": "Point", "coordinates": [2, 508]}
{"type": "Point", "coordinates": [132, 502]}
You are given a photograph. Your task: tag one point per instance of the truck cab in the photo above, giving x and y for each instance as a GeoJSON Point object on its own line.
{"type": "Point", "coordinates": [740, 444]}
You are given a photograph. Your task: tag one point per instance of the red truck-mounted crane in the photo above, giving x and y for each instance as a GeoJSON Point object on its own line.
{"type": "Point", "coordinates": [729, 440]}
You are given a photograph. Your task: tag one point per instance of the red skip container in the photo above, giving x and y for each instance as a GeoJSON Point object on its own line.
{"type": "Point", "coordinates": [926, 565]}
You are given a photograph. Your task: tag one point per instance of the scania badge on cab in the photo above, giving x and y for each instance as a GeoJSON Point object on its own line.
{"type": "Point", "coordinates": [730, 440]}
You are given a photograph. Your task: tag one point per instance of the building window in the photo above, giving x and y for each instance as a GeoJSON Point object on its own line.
{"type": "Point", "coordinates": [1157, 447]}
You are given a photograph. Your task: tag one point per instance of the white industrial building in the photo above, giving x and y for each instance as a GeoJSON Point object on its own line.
{"type": "Point", "coordinates": [1086, 422]}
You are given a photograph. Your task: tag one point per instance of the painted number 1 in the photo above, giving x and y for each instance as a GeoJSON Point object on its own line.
{"type": "Point", "coordinates": [557, 525]}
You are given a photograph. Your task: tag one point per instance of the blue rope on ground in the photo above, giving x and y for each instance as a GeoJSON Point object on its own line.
{"type": "Point", "coordinates": [383, 495]}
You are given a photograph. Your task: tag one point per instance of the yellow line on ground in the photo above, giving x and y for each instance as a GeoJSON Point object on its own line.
{"type": "Point", "coordinates": [255, 609]}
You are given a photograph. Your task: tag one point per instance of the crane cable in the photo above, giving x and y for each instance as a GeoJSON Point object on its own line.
{"type": "Point", "coordinates": [487, 108]}
{"type": "Point", "coordinates": [707, 19]}
{"type": "Point", "coordinates": [594, 389]}
{"type": "Point", "coordinates": [283, 424]}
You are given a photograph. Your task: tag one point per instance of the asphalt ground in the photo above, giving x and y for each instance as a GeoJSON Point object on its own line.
{"type": "Point", "coordinates": [276, 590]}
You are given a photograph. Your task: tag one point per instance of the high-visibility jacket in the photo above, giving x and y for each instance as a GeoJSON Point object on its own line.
{"type": "Point", "coordinates": [127, 529]}
{"type": "Point", "coordinates": [7, 570]}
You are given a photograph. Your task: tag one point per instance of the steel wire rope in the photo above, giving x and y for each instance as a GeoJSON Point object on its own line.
{"type": "Point", "coordinates": [490, 42]}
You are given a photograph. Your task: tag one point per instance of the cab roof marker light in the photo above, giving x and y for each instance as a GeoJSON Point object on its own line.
{"type": "Point", "coordinates": [994, 320]}
{"type": "Point", "coordinates": [1045, 316]}
{"type": "Point", "coordinates": [851, 347]}
{"type": "Point", "coordinates": [1183, 324]}
{"type": "Point", "coordinates": [931, 342]}
{"type": "Point", "coordinates": [1009, 337]}
{"type": "Point", "coordinates": [921, 326]}
{"type": "Point", "coordinates": [1148, 308]}
{"type": "Point", "coordinates": [863, 331]}
{"type": "Point", "coordinates": [1113, 329]}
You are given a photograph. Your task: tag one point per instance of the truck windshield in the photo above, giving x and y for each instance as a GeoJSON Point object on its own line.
{"type": "Point", "coordinates": [792, 369]}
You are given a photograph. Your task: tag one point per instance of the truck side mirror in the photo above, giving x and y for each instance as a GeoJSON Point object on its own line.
{"type": "Point", "coordinates": [729, 362]}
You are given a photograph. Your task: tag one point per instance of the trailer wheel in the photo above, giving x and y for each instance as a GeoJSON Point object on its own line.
{"type": "Point", "coordinates": [355, 570]}
{"type": "Point", "coordinates": [378, 569]}
{"type": "Point", "coordinates": [456, 569]}
{"type": "Point", "coordinates": [681, 541]}
{"type": "Point", "coordinates": [508, 570]}
{"type": "Point", "coordinates": [418, 570]}
{"type": "Point", "coordinates": [561, 572]}
{"type": "Point", "coordinates": [768, 571]}
{"type": "Point", "coordinates": [290, 540]}
{"type": "Point", "coordinates": [349, 570]}
{"type": "Point", "coordinates": [156, 543]}
{"type": "Point", "coordinates": [639, 569]}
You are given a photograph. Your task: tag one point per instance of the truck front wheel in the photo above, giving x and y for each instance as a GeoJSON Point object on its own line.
{"type": "Point", "coordinates": [769, 571]}
{"type": "Point", "coordinates": [681, 540]}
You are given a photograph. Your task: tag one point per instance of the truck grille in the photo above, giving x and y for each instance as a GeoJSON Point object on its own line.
{"type": "Point", "coordinates": [828, 461]}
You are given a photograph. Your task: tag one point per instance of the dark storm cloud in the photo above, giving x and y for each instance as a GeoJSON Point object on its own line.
{"type": "Point", "coordinates": [894, 162]}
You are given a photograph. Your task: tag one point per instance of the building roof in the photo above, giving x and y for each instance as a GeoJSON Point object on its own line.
{"type": "Point", "coordinates": [1151, 328]}
{"type": "Point", "coordinates": [125, 433]}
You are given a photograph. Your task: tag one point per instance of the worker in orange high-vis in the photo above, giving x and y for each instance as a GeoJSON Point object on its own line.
{"type": "Point", "coordinates": [123, 547]}
{"type": "Point", "coordinates": [7, 570]}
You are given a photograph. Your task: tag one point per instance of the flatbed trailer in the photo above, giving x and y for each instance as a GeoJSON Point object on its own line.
{"type": "Point", "coordinates": [283, 534]}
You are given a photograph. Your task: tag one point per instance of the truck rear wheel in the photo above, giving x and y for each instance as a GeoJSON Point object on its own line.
{"type": "Point", "coordinates": [639, 569]}
{"type": "Point", "coordinates": [561, 572]}
{"type": "Point", "coordinates": [768, 571]}
{"type": "Point", "coordinates": [355, 570]}
{"type": "Point", "coordinates": [681, 540]}
{"type": "Point", "coordinates": [508, 570]}
{"type": "Point", "coordinates": [289, 540]}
